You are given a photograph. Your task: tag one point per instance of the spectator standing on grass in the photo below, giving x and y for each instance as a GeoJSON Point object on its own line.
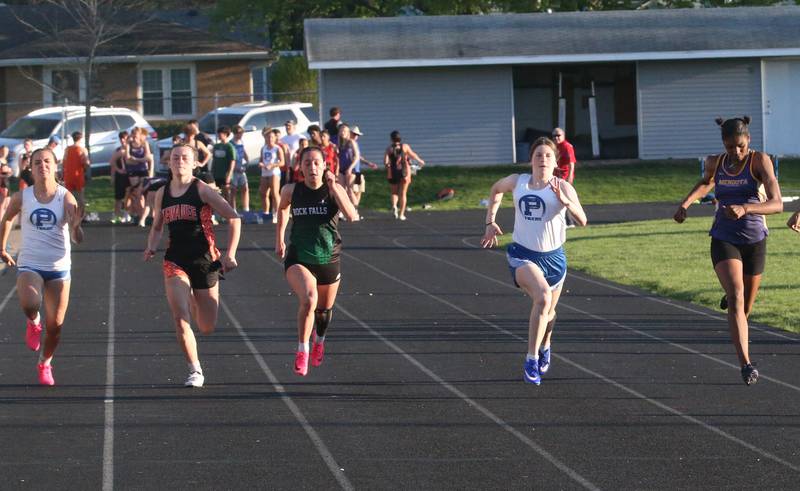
{"type": "Point", "coordinates": [25, 176]}
{"type": "Point", "coordinates": [191, 137]}
{"type": "Point", "coordinates": [199, 135]}
{"type": "Point", "coordinates": [566, 162]}
{"type": "Point", "coordinates": [330, 152]}
{"type": "Point", "coordinates": [76, 164]}
{"type": "Point", "coordinates": [120, 181]}
{"type": "Point", "coordinates": [139, 165]}
{"type": "Point", "coordinates": [297, 171]}
{"type": "Point", "coordinates": [739, 231]}
{"type": "Point", "coordinates": [332, 125]}
{"type": "Point", "coordinates": [239, 179]}
{"type": "Point", "coordinates": [272, 159]}
{"type": "Point", "coordinates": [397, 160]}
{"type": "Point", "coordinates": [290, 143]}
{"type": "Point", "coordinates": [349, 155]}
{"type": "Point", "coordinates": [360, 181]}
{"type": "Point", "coordinates": [224, 162]}
{"type": "Point", "coordinates": [314, 136]}
{"type": "Point", "coordinates": [536, 258]}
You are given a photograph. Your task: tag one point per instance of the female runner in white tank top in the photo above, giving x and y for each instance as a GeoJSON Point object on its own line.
{"type": "Point", "coordinates": [49, 219]}
{"type": "Point", "coordinates": [536, 257]}
{"type": "Point", "coordinates": [272, 159]}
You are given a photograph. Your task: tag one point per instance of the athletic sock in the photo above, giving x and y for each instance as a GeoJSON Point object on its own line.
{"type": "Point", "coordinates": [42, 359]}
{"type": "Point", "coordinates": [195, 367]}
{"type": "Point", "coordinates": [320, 339]}
{"type": "Point", "coordinates": [531, 357]}
{"type": "Point", "coordinates": [302, 347]}
{"type": "Point", "coordinates": [38, 318]}
{"type": "Point", "coordinates": [544, 347]}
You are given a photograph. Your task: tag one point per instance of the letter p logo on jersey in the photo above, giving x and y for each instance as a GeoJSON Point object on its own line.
{"type": "Point", "coordinates": [43, 219]}
{"type": "Point", "coordinates": [532, 207]}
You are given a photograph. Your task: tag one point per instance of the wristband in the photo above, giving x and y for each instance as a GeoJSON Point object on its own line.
{"type": "Point", "coordinates": [490, 223]}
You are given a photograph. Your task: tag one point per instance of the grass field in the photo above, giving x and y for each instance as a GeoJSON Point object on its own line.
{"type": "Point", "coordinates": [629, 183]}
{"type": "Point", "coordinates": [673, 260]}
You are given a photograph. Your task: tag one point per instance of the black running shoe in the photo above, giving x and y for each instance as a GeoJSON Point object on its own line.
{"type": "Point", "coordinates": [749, 374]}
{"type": "Point", "coordinates": [723, 303]}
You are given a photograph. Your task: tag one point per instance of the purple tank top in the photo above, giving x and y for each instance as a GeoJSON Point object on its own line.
{"type": "Point", "coordinates": [737, 189]}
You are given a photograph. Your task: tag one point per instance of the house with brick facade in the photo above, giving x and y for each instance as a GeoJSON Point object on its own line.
{"type": "Point", "coordinates": [163, 69]}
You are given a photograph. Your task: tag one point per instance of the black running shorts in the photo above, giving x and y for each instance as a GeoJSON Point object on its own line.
{"type": "Point", "coordinates": [326, 274]}
{"type": "Point", "coordinates": [752, 256]}
{"type": "Point", "coordinates": [121, 184]}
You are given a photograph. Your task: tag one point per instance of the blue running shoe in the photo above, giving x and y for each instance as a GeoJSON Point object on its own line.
{"type": "Point", "coordinates": [544, 361]}
{"type": "Point", "coordinates": [532, 372]}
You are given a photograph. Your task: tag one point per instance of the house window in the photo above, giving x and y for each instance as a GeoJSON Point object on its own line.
{"type": "Point", "coordinates": [167, 92]}
{"type": "Point", "coordinates": [63, 85]}
{"type": "Point", "coordinates": [259, 79]}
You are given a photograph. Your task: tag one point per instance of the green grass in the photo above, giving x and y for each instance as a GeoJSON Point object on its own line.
{"type": "Point", "coordinates": [673, 260]}
{"type": "Point", "coordinates": [630, 183]}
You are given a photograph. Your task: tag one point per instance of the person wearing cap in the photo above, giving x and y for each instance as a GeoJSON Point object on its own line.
{"type": "Point", "coordinates": [360, 182]}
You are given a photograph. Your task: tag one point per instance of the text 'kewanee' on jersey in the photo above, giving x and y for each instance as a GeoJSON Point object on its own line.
{"type": "Point", "coordinates": [188, 219]}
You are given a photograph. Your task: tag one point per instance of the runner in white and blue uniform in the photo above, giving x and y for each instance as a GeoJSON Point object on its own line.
{"type": "Point", "coordinates": [50, 218]}
{"type": "Point", "coordinates": [536, 257]}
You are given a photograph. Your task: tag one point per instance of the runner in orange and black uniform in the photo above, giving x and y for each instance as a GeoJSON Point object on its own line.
{"type": "Point", "coordinates": [192, 263]}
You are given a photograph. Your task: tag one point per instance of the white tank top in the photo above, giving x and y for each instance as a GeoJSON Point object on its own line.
{"type": "Point", "coordinates": [270, 156]}
{"type": "Point", "coordinates": [539, 217]}
{"type": "Point", "coordinates": [45, 238]}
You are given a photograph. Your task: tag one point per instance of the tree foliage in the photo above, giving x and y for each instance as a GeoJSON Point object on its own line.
{"type": "Point", "coordinates": [284, 19]}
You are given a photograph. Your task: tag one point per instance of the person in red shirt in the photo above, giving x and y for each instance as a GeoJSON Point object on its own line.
{"type": "Point", "coordinates": [76, 163]}
{"type": "Point", "coordinates": [566, 156]}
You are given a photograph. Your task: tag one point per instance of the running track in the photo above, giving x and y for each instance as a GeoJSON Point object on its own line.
{"type": "Point", "coordinates": [421, 388]}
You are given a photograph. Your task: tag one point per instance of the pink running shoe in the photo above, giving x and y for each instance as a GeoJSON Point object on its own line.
{"type": "Point", "coordinates": [33, 335]}
{"type": "Point", "coordinates": [46, 374]}
{"type": "Point", "coordinates": [317, 352]}
{"type": "Point", "coordinates": [301, 363]}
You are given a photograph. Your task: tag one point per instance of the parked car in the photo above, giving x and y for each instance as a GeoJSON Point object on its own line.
{"type": "Point", "coordinates": [41, 124]}
{"type": "Point", "coordinates": [253, 117]}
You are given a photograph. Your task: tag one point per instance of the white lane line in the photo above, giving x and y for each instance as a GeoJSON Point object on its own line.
{"type": "Point", "coordinates": [8, 297]}
{"type": "Point", "coordinates": [633, 392]}
{"type": "Point", "coordinates": [609, 321]}
{"type": "Point", "coordinates": [108, 431]}
{"type": "Point", "coordinates": [486, 412]}
{"type": "Point", "coordinates": [322, 449]}
{"type": "Point", "coordinates": [654, 298]}
{"type": "Point", "coordinates": [480, 408]}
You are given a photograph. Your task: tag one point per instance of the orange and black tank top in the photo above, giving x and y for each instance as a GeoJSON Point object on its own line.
{"type": "Point", "coordinates": [188, 219]}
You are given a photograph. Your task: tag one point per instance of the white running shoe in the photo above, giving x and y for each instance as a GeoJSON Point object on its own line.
{"type": "Point", "coordinates": [196, 379]}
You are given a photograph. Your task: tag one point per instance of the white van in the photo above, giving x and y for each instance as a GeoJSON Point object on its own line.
{"type": "Point", "coordinates": [253, 117]}
{"type": "Point", "coordinates": [41, 124]}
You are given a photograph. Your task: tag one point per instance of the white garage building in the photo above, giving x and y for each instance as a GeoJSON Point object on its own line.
{"type": "Point", "coordinates": [470, 89]}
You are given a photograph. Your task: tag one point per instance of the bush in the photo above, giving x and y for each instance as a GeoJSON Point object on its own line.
{"type": "Point", "coordinates": [166, 129]}
{"type": "Point", "coordinates": [293, 81]}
